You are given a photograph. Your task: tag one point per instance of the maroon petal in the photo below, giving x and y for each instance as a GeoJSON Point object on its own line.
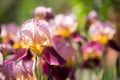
{"type": "Point", "coordinates": [46, 67]}
{"type": "Point", "coordinates": [52, 57]}
{"type": "Point", "coordinates": [18, 55]}
{"type": "Point", "coordinates": [78, 38]}
{"type": "Point", "coordinates": [94, 45]}
{"type": "Point", "coordinates": [64, 49]}
{"type": "Point", "coordinates": [113, 45]}
{"type": "Point", "coordinates": [61, 73]}
{"type": "Point", "coordinates": [29, 55]}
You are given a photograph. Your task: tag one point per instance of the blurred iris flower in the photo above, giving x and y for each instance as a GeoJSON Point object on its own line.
{"type": "Point", "coordinates": [44, 13]}
{"type": "Point", "coordinates": [92, 54]}
{"type": "Point", "coordinates": [102, 32]}
{"type": "Point", "coordinates": [9, 33]}
{"type": "Point", "coordinates": [65, 24]}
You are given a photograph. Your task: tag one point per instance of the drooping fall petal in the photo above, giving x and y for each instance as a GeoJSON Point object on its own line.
{"type": "Point", "coordinates": [18, 55]}
{"type": "Point", "coordinates": [64, 49]}
{"type": "Point", "coordinates": [59, 73]}
{"type": "Point", "coordinates": [52, 57]}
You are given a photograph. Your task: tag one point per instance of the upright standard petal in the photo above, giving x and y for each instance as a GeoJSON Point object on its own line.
{"type": "Point", "coordinates": [102, 32]}
{"type": "Point", "coordinates": [65, 24]}
{"type": "Point", "coordinates": [35, 32]}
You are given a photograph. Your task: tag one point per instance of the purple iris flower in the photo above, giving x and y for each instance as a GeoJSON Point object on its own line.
{"type": "Point", "coordinates": [59, 60]}
{"type": "Point", "coordinates": [92, 54]}
{"type": "Point", "coordinates": [20, 64]}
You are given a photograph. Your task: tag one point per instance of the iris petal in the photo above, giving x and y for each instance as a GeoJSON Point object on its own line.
{"type": "Point", "coordinates": [52, 57]}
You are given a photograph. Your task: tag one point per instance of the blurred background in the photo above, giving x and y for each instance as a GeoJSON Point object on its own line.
{"type": "Point", "coordinates": [19, 11]}
{"type": "Point", "coordinates": [22, 10]}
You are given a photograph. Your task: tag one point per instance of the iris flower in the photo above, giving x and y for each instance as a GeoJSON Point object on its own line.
{"type": "Point", "coordinates": [9, 37]}
{"type": "Point", "coordinates": [21, 65]}
{"type": "Point", "coordinates": [91, 18]}
{"type": "Point", "coordinates": [66, 57]}
{"type": "Point", "coordinates": [102, 32]}
{"type": "Point", "coordinates": [92, 53]}
{"type": "Point", "coordinates": [42, 12]}
{"type": "Point", "coordinates": [65, 24]}
{"type": "Point", "coordinates": [35, 34]}
{"type": "Point", "coordinates": [9, 33]}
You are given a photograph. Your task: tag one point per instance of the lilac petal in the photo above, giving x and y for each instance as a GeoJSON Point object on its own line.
{"type": "Point", "coordinates": [4, 73]}
{"type": "Point", "coordinates": [12, 70]}
{"type": "Point", "coordinates": [96, 28]}
{"type": "Point", "coordinates": [18, 55]}
{"type": "Point", "coordinates": [52, 57]}
{"type": "Point", "coordinates": [68, 21]}
{"type": "Point", "coordinates": [93, 15]}
{"type": "Point", "coordinates": [43, 12]}
{"type": "Point", "coordinates": [44, 26]}
{"type": "Point", "coordinates": [35, 32]}
{"type": "Point", "coordinates": [6, 48]}
{"type": "Point", "coordinates": [28, 65]}
{"type": "Point", "coordinates": [92, 46]}
{"type": "Point", "coordinates": [23, 68]}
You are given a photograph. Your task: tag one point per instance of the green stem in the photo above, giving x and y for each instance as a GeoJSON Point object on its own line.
{"type": "Point", "coordinates": [38, 68]}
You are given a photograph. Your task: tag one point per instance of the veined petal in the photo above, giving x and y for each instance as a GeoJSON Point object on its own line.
{"type": "Point", "coordinates": [35, 32]}
{"type": "Point", "coordinates": [12, 70]}
{"type": "Point", "coordinates": [28, 65]}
